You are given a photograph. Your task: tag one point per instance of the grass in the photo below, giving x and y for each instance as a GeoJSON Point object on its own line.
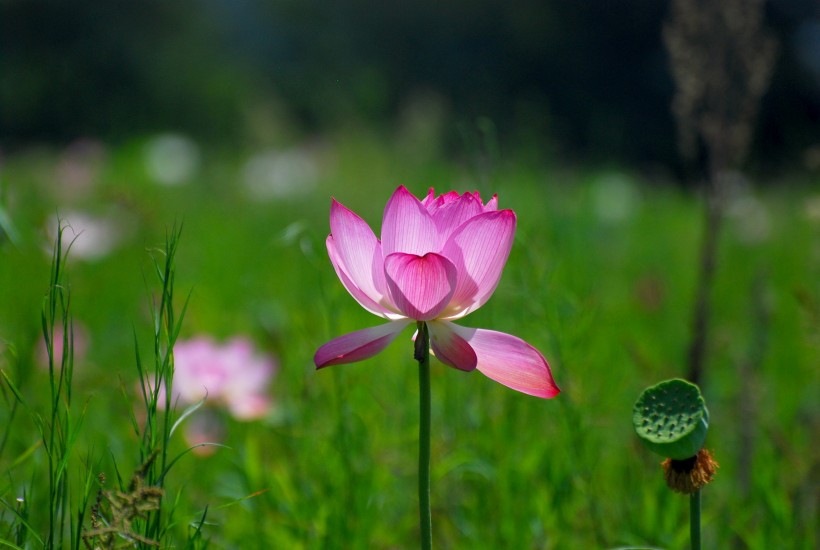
{"type": "Point", "coordinates": [600, 279]}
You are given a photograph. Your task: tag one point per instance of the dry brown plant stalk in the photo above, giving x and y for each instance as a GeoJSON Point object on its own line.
{"type": "Point", "coordinates": [113, 528]}
{"type": "Point", "coordinates": [722, 59]}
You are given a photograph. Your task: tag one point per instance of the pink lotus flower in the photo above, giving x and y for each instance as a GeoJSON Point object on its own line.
{"type": "Point", "coordinates": [232, 374]}
{"type": "Point", "coordinates": [438, 260]}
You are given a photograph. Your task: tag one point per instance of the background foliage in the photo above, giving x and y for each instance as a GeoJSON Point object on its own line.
{"type": "Point", "coordinates": [586, 79]}
{"type": "Point", "coordinates": [601, 279]}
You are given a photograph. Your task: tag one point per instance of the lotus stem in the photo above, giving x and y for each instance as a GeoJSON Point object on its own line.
{"type": "Point", "coordinates": [694, 519]}
{"type": "Point", "coordinates": [422, 355]}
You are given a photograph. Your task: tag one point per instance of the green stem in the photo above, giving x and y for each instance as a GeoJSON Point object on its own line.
{"type": "Point", "coordinates": [422, 355]}
{"type": "Point", "coordinates": [694, 519]}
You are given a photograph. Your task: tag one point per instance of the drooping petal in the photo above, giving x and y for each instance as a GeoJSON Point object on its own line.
{"type": "Point", "coordinates": [510, 361]}
{"type": "Point", "coordinates": [355, 251]}
{"type": "Point", "coordinates": [420, 286]}
{"type": "Point", "coordinates": [382, 308]}
{"type": "Point", "coordinates": [359, 345]}
{"type": "Point", "coordinates": [452, 214]}
{"type": "Point", "coordinates": [479, 248]}
{"type": "Point", "coordinates": [407, 226]}
{"type": "Point", "coordinates": [450, 348]}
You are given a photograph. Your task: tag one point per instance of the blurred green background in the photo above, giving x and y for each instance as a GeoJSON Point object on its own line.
{"type": "Point", "coordinates": [588, 80]}
{"type": "Point", "coordinates": [240, 120]}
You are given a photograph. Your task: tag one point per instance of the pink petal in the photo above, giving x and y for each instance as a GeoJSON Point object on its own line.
{"type": "Point", "coordinates": [355, 252]}
{"type": "Point", "coordinates": [442, 200]}
{"type": "Point", "coordinates": [452, 214]}
{"type": "Point", "coordinates": [429, 199]}
{"type": "Point", "coordinates": [450, 348]}
{"type": "Point", "coordinates": [407, 226]}
{"type": "Point", "coordinates": [492, 204]}
{"type": "Point", "coordinates": [510, 361]}
{"type": "Point", "coordinates": [358, 294]}
{"type": "Point", "coordinates": [479, 248]}
{"type": "Point", "coordinates": [359, 345]}
{"type": "Point", "coordinates": [420, 286]}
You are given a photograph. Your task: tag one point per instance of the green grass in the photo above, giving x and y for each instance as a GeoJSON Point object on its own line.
{"type": "Point", "coordinates": [607, 300]}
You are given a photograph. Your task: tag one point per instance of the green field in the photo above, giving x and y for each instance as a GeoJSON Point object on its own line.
{"type": "Point", "coordinates": [601, 279]}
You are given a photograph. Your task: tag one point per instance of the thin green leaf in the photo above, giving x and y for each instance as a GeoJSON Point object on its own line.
{"type": "Point", "coordinates": [186, 413]}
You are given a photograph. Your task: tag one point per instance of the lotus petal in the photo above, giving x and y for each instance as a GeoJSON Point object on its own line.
{"type": "Point", "coordinates": [492, 204]}
{"type": "Point", "coordinates": [358, 345]}
{"type": "Point", "coordinates": [355, 251]}
{"type": "Point", "coordinates": [420, 286]}
{"type": "Point", "coordinates": [451, 214]}
{"type": "Point", "coordinates": [407, 226]}
{"type": "Point", "coordinates": [450, 348]}
{"type": "Point", "coordinates": [382, 308]}
{"type": "Point", "coordinates": [479, 248]}
{"type": "Point", "coordinates": [509, 360]}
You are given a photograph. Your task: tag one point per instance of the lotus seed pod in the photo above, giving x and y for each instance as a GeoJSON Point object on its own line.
{"type": "Point", "coordinates": [671, 419]}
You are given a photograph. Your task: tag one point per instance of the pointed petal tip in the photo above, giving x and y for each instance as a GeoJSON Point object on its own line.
{"type": "Point", "coordinates": [322, 360]}
{"type": "Point", "coordinates": [407, 225]}
{"type": "Point", "coordinates": [549, 392]}
{"type": "Point", "coordinates": [492, 204]}
{"type": "Point", "coordinates": [320, 364]}
{"type": "Point", "coordinates": [546, 389]}
{"type": "Point", "coordinates": [337, 208]}
{"type": "Point", "coordinates": [507, 213]}
{"type": "Point", "coordinates": [403, 190]}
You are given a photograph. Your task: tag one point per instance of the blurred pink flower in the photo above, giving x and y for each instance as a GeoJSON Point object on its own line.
{"type": "Point", "coordinates": [438, 260]}
{"type": "Point", "coordinates": [232, 374]}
